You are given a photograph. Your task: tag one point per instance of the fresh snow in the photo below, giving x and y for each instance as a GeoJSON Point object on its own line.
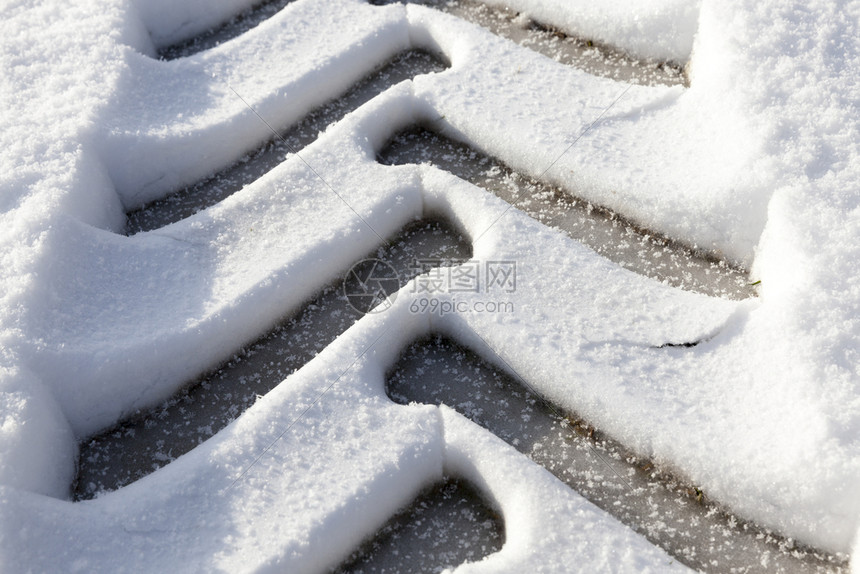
{"type": "Point", "coordinates": [662, 29]}
{"type": "Point", "coordinates": [757, 162]}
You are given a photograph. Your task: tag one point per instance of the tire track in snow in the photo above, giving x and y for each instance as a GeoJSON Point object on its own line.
{"type": "Point", "coordinates": [234, 27]}
{"type": "Point", "coordinates": [463, 527]}
{"type": "Point", "coordinates": [591, 57]}
{"type": "Point", "coordinates": [606, 232]}
{"type": "Point", "coordinates": [269, 155]}
{"type": "Point", "coordinates": [137, 447]}
{"type": "Point", "coordinates": [673, 515]}
{"type": "Point", "coordinates": [542, 213]}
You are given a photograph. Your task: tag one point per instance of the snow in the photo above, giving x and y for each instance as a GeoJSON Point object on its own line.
{"type": "Point", "coordinates": [756, 162]}
{"type": "Point", "coordinates": [521, 488]}
{"type": "Point", "coordinates": [37, 447]}
{"type": "Point", "coordinates": [167, 22]}
{"type": "Point", "coordinates": [661, 29]}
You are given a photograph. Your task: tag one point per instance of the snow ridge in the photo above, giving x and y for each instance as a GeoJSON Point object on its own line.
{"type": "Point", "coordinates": [756, 162]}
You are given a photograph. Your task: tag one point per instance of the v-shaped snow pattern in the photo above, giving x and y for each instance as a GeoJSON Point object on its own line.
{"type": "Point", "coordinates": [323, 208]}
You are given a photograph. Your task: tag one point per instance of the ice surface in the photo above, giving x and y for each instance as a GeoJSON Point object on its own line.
{"type": "Point", "coordinates": [756, 163]}
{"type": "Point", "coordinates": [443, 528]}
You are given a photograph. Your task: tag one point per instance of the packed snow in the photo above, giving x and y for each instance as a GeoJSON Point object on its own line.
{"type": "Point", "coordinates": [756, 163]}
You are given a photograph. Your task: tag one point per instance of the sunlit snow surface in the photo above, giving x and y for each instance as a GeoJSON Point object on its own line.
{"type": "Point", "coordinates": [151, 234]}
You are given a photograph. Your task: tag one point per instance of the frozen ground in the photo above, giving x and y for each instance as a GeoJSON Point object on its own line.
{"type": "Point", "coordinates": [748, 399]}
